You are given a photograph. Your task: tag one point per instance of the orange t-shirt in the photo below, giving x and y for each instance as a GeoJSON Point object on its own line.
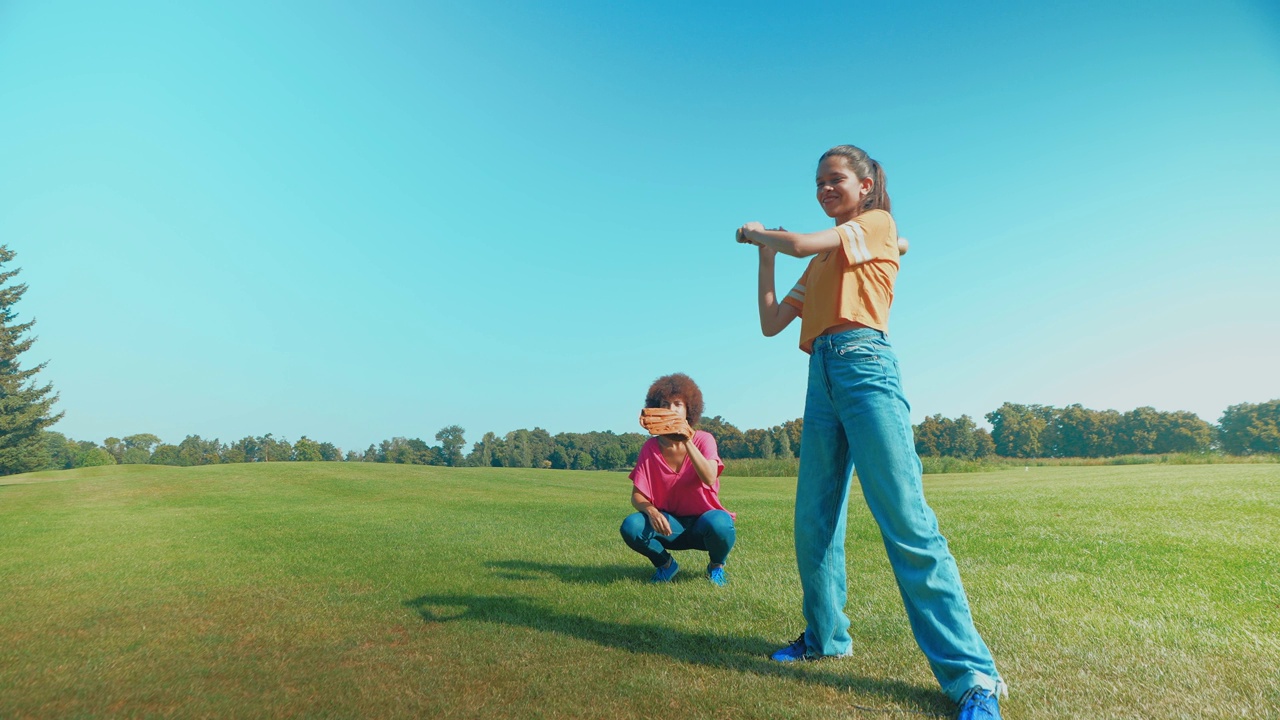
{"type": "Point", "coordinates": [852, 285]}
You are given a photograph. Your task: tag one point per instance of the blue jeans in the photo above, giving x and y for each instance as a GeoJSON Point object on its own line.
{"type": "Point", "coordinates": [856, 415]}
{"type": "Point", "coordinates": [712, 531]}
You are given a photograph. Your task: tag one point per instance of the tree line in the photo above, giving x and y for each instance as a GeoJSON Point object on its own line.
{"type": "Point", "coordinates": [1018, 431]}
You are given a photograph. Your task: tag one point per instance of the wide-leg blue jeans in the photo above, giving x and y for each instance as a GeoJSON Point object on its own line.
{"type": "Point", "coordinates": [712, 531]}
{"type": "Point", "coordinates": [857, 416]}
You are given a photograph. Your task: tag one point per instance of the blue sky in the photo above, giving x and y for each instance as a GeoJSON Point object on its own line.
{"type": "Point", "coordinates": [356, 221]}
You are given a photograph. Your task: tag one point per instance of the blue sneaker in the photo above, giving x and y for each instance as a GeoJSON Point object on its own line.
{"type": "Point", "coordinates": [717, 576]}
{"type": "Point", "coordinates": [666, 572]}
{"type": "Point", "coordinates": [979, 704]}
{"type": "Point", "coordinates": [794, 652]}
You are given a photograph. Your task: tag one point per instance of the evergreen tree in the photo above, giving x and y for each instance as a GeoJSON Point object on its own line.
{"type": "Point", "coordinates": [25, 408]}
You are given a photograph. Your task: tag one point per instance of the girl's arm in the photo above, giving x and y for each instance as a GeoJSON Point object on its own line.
{"type": "Point", "coordinates": [774, 316]}
{"type": "Point", "coordinates": [705, 468]}
{"type": "Point", "coordinates": [656, 518]}
{"type": "Point", "coordinates": [789, 243]}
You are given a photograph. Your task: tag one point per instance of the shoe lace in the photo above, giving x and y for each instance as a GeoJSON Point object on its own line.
{"type": "Point", "coordinates": [980, 698]}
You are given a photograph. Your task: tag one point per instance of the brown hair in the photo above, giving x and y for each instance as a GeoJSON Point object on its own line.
{"type": "Point", "coordinates": [677, 385]}
{"type": "Point", "coordinates": [864, 167]}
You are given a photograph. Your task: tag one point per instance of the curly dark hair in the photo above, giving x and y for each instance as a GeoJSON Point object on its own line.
{"type": "Point", "coordinates": [677, 385]}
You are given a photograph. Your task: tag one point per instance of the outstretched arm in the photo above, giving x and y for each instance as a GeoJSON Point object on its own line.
{"type": "Point", "coordinates": [789, 243]}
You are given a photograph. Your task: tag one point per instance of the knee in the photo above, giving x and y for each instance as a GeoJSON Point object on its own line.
{"type": "Point", "coordinates": [633, 526]}
{"type": "Point", "coordinates": [718, 523]}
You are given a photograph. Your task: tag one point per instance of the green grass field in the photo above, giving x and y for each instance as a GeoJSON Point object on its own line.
{"type": "Point", "coordinates": [361, 590]}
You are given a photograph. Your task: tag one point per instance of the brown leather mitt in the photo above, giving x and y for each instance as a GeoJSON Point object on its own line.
{"type": "Point", "coordinates": [661, 421]}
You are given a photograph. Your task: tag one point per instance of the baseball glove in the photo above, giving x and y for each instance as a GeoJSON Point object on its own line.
{"type": "Point", "coordinates": [661, 421]}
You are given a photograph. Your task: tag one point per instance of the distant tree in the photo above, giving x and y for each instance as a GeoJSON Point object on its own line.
{"type": "Point", "coordinates": [353, 456]}
{"type": "Point", "coordinates": [307, 450]}
{"type": "Point", "coordinates": [782, 443]}
{"type": "Point", "coordinates": [233, 453]}
{"type": "Point", "coordinates": [165, 455]}
{"type": "Point", "coordinates": [1017, 429]}
{"type": "Point", "coordinates": [135, 456]}
{"type": "Point", "coordinates": [541, 445]}
{"type": "Point", "coordinates": [930, 436]}
{"type": "Point", "coordinates": [1186, 432]}
{"type": "Point", "coordinates": [1248, 429]}
{"type": "Point", "coordinates": [759, 443]}
{"type": "Point", "coordinates": [984, 446]}
{"type": "Point", "coordinates": [631, 443]}
{"type": "Point", "coordinates": [408, 451]}
{"type": "Point", "coordinates": [94, 457]}
{"type": "Point", "coordinates": [486, 453]}
{"type": "Point", "coordinates": [1138, 431]}
{"type": "Point", "coordinates": [730, 441]}
{"type": "Point", "coordinates": [451, 444]}
{"type": "Point", "coordinates": [137, 448]}
{"type": "Point", "coordinates": [142, 441]}
{"type": "Point", "coordinates": [244, 450]}
{"type": "Point", "coordinates": [58, 449]}
{"type": "Point", "coordinates": [25, 408]}
{"type": "Point", "coordinates": [960, 438]}
{"type": "Point", "coordinates": [795, 432]}
{"type": "Point", "coordinates": [1077, 431]}
{"type": "Point", "coordinates": [330, 452]}
{"type": "Point", "coordinates": [370, 455]}
{"type": "Point", "coordinates": [273, 450]}
{"type": "Point", "coordinates": [116, 447]}
{"type": "Point", "coordinates": [582, 460]}
{"type": "Point", "coordinates": [611, 457]}
{"type": "Point", "coordinates": [194, 450]}
{"type": "Point", "coordinates": [518, 452]}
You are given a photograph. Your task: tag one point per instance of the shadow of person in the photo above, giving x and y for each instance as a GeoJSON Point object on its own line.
{"type": "Point", "coordinates": [576, 574]}
{"type": "Point", "coordinates": [743, 654]}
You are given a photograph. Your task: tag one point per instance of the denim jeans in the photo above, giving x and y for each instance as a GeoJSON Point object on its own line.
{"type": "Point", "coordinates": [712, 531]}
{"type": "Point", "coordinates": [856, 415]}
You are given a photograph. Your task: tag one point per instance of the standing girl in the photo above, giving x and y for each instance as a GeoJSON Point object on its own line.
{"type": "Point", "coordinates": [857, 416]}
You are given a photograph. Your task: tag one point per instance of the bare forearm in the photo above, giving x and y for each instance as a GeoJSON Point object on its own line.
{"type": "Point", "coordinates": [640, 502]}
{"type": "Point", "coordinates": [794, 244]}
{"type": "Point", "coordinates": [774, 315]}
{"type": "Point", "coordinates": [705, 468]}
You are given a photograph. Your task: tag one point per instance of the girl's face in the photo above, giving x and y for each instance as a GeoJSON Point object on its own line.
{"type": "Point", "coordinates": [676, 405]}
{"type": "Point", "coordinates": [840, 190]}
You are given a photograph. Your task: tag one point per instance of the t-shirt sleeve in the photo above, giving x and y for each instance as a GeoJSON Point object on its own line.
{"type": "Point", "coordinates": [706, 443]}
{"type": "Point", "coordinates": [870, 236]}
{"type": "Point", "coordinates": [640, 473]}
{"type": "Point", "coordinates": [795, 298]}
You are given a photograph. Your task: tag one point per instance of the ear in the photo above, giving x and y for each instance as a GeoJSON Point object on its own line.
{"type": "Point", "coordinates": [865, 185]}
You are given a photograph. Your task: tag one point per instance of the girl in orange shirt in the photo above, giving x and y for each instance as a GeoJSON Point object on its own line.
{"type": "Point", "coordinates": [857, 416]}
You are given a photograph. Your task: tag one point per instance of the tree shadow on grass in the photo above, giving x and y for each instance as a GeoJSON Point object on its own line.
{"type": "Point", "coordinates": [742, 654]}
{"type": "Point", "coordinates": [577, 574]}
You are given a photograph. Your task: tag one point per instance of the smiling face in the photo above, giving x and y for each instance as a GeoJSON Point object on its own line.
{"type": "Point", "coordinates": [840, 190]}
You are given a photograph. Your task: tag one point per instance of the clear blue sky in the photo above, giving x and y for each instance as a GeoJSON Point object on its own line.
{"type": "Point", "coordinates": [361, 220]}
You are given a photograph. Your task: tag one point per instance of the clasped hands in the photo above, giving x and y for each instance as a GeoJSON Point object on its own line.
{"type": "Point", "coordinates": [742, 232]}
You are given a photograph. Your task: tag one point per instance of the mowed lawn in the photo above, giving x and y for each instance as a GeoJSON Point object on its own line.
{"type": "Point", "coordinates": [361, 590]}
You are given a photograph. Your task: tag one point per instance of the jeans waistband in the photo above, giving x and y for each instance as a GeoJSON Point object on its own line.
{"type": "Point", "coordinates": [826, 342]}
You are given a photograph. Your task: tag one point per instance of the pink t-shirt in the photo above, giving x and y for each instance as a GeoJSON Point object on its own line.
{"type": "Point", "coordinates": [679, 492]}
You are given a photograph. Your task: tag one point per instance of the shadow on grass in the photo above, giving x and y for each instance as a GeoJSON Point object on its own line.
{"type": "Point", "coordinates": [742, 654]}
{"type": "Point", "coordinates": [577, 574]}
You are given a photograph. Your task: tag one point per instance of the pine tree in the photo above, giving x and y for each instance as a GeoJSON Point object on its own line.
{"type": "Point", "coordinates": [25, 409]}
